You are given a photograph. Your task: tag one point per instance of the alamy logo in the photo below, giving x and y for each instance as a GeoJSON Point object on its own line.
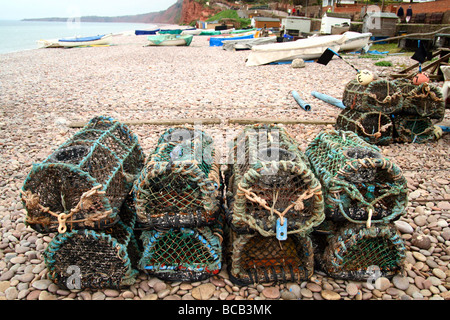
{"type": "Point", "coordinates": [74, 281]}
{"type": "Point", "coordinates": [375, 273]}
{"type": "Point", "coordinates": [374, 20]}
{"type": "Point", "coordinates": [74, 19]}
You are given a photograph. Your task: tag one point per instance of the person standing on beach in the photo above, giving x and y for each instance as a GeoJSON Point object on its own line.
{"type": "Point", "coordinates": [400, 13]}
{"type": "Point", "coordinates": [408, 14]}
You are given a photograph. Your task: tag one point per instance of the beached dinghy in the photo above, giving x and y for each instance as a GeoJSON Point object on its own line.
{"type": "Point", "coordinates": [99, 40]}
{"type": "Point", "coordinates": [247, 44]}
{"type": "Point", "coordinates": [306, 49]}
{"type": "Point", "coordinates": [146, 32]}
{"type": "Point", "coordinates": [355, 41]}
{"type": "Point", "coordinates": [75, 41]}
{"type": "Point", "coordinates": [170, 40]}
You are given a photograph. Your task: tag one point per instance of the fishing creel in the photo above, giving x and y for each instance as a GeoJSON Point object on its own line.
{"type": "Point", "coordinates": [424, 100]}
{"type": "Point", "coordinates": [379, 95]}
{"type": "Point", "coordinates": [374, 127]}
{"type": "Point", "coordinates": [96, 259]}
{"type": "Point", "coordinates": [270, 187]}
{"type": "Point", "coordinates": [85, 181]}
{"type": "Point", "coordinates": [414, 129]}
{"type": "Point", "coordinates": [355, 252]}
{"type": "Point", "coordinates": [183, 254]}
{"type": "Point", "coordinates": [358, 183]}
{"type": "Point", "coordinates": [179, 184]}
{"type": "Point", "coordinates": [253, 258]}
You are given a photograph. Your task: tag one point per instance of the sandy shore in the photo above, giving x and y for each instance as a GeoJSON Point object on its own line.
{"type": "Point", "coordinates": [43, 91]}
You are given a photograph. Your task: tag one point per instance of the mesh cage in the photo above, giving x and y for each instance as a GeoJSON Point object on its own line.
{"type": "Point", "coordinates": [95, 259]}
{"type": "Point", "coordinates": [359, 185]}
{"type": "Point", "coordinates": [379, 95]}
{"type": "Point", "coordinates": [414, 129]}
{"type": "Point", "coordinates": [253, 258]}
{"type": "Point", "coordinates": [373, 127]}
{"type": "Point", "coordinates": [357, 253]}
{"type": "Point", "coordinates": [85, 181]}
{"type": "Point", "coordinates": [179, 185]}
{"type": "Point", "coordinates": [182, 254]}
{"type": "Point", "coordinates": [425, 100]}
{"type": "Point", "coordinates": [269, 182]}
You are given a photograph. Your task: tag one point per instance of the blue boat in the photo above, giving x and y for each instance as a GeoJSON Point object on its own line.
{"type": "Point", "coordinates": [145, 32]}
{"type": "Point", "coordinates": [218, 41]}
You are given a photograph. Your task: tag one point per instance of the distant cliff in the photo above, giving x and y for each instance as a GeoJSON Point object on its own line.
{"type": "Point", "coordinates": [182, 12]}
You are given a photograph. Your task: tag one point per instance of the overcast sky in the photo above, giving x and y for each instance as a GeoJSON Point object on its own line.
{"type": "Point", "coordinates": [21, 9]}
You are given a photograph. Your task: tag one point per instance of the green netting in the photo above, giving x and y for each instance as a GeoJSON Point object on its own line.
{"type": "Point", "coordinates": [358, 183]}
{"type": "Point", "coordinates": [379, 95]}
{"type": "Point", "coordinates": [95, 259]}
{"type": "Point", "coordinates": [182, 254]}
{"type": "Point", "coordinates": [355, 252]}
{"type": "Point", "coordinates": [253, 258]}
{"type": "Point", "coordinates": [179, 185]}
{"type": "Point", "coordinates": [269, 179]}
{"type": "Point", "coordinates": [373, 127]}
{"type": "Point", "coordinates": [85, 181]}
{"type": "Point", "coordinates": [414, 129]}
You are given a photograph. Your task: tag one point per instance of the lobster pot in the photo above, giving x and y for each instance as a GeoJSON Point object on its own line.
{"type": "Point", "coordinates": [179, 185]}
{"type": "Point", "coordinates": [357, 253]}
{"type": "Point", "coordinates": [414, 129]}
{"type": "Point", "coordinates": [182, 254]}
{"type": "Point", "coordinates": [95, 259]}
{"type": "Point", "coordinates": [359, 184]}
{"type": "Point", "coordinates": [85, 181]}
{"type": "Point", "coordinates": [373, 127]}
{"type": "Point", "coordinates": [253, 258]}
{"type": "Point", "coordinates": [425, 100]}
{"type": "Point", "coordinates": [270, 187]}
{"type": "Point", "coordinates": [379, 95]}
{"type": "Point", "coordinates": [353, 93]}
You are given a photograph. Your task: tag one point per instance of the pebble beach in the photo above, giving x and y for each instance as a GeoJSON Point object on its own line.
{"type": "Point", "coordinates": [44, 91]}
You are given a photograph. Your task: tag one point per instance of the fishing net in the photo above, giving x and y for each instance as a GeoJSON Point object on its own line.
{"type": "Point", "coordinates": [380, 95]}
{"type": "Point", "coordinates": [183, 254]}
{"type": "Point", "coordinates": [373, 127]}
{"type": "Point", "coordinates": [359, 185]}
{"type": "Point", "coordinates": [253, 258]}
{"type": "Point", "coordinates": [270, 187]}
{"type": "Point", "coordinates": [85, 181]}
{"type": "Point", "coordinates": [179, 185]}
{"type": "Point", "coordinates": [358, 253]}
{"type": "Point", "coordinates": [425, 100]}
{"type": "Point", "coordinates": [93, 259]}
{"type": "Point", "coordinates": [414, 129]}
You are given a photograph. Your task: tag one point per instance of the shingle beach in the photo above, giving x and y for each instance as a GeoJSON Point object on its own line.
{"type": "Point", "coordinates": [43, 91]}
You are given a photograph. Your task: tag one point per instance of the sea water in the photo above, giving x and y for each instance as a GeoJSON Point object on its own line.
{"type": "Point", "coordinates": [23, 35]}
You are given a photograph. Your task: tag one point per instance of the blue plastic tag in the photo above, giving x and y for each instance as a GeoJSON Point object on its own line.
{"type": "Point", "coordinates": [282, 229]}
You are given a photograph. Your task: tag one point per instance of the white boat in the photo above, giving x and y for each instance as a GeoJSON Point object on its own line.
{"type": "Point", "coordinates": [76, 41]}
{"type": "Point", "coordinates": [306, 49]}
{"type": "Point", "coordinates": [247, 44]}
{"type": "Point", "coordinates": [50, 43]}
{"type": "Point", "coordinates": [86, 41]}
{"type": "Point", "coordinates": [355, 40]}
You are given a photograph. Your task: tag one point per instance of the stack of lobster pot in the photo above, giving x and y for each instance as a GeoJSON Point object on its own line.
{"type": "Point", "coordinates": [384, 111]}
{"type": "Point", "coordinates": [272, 203]}
{"type": "Point", "coordinates": [364, 193]}
{"type": "Point", "coordinates": [81, 192]}
{"type": "Point", "coordinates": [177, 205]}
